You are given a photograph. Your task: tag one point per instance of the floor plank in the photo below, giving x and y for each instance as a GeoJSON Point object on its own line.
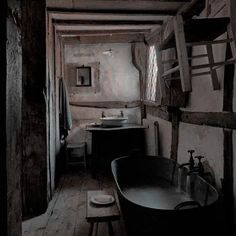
{"type": "Point", "coordinates": [66, 212]}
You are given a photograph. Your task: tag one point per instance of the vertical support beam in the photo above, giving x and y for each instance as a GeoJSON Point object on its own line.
{"type": "Point", "coordinates": [228, 179]}
{"type": "Point", "coordinates": [175, 134]}
{"type": "Point", "coordinates": [228, 142]}
{"type": "Point", "coordinates": [214, 77]}
{"type": "Point", "coordinates": [182, 53]}
{"type": "Point", "coordinates": [139, 59]}
{"type": "Point", "coordinates": [228, 82]}
{"type": "Point", "coordinates": [3, 108]}
{"type": "Point", "coordinates": [10, 118]}
{"type": "Point", "coordinates": [34, 166]}
{"type": "Point", "coordinates": [156, 137]}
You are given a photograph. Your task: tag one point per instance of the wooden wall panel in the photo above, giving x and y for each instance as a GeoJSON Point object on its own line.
{"type": "Point", "coordinates": [34, 166]}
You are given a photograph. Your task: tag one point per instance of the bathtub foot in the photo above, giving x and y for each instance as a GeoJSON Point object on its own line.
{"type": "Point", "coordinates": [110, 228]}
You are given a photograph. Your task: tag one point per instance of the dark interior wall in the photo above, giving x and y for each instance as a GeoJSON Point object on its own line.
{"type": "Point", "coordinates": [10, 119]}
{"type": "Point", "coordinates": [34, 161]}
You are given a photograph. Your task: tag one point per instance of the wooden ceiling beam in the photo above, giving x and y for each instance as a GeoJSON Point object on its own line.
{"type": "Point", "coordinates": [85, 16]}
{"type": "Point", "coordinates": [108, 22]}
{"type": "Point", "coordinates": [162, 7]}
{"type": "Point", "coordinates": [115, 38]}
{"type": "Point", "coordinates": [102, 27]}
{"type": "Point", "coordinates": [101, 32]}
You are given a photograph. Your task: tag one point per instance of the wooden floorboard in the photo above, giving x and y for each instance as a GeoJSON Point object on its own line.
{"type": "Point", "coordinates": [66, 212]}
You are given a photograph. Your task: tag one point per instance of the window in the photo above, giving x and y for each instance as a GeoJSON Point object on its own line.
{"type": "Point", "coordinates": [151, 81]}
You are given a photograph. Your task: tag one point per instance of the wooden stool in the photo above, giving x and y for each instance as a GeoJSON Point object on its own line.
{"type": "Point", "coordinates": [96, 214]}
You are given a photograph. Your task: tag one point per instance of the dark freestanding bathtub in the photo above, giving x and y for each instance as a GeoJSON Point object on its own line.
{"type": "Point", "coordinates": [159, 198]}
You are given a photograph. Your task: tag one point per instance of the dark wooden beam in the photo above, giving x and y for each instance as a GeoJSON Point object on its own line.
{"type": "Point", "coordinates": [108, 22]}
{"type": "Point", "coordinates": [61, 15]}
{"type": "Point", "coordinates": [228, 181]}
{"type": "Point", "coordinates": [3, 109]}
{"type": "Point", "coordinates": [175, 134]}
{"type": "Point", "coordinates": [227, 185]}
{"type": "Point", "coordinates": [107, 104]}
{"type": "Point", "coordinates": [194, 7]}
{"type": "Point", "coordinates": [228, 83]}
{"type": "Point", "coordinates": [139, 58]}
{"type": "Point", "coordinates": [117, 38]}
{"type": "Point", "coordinates": [141, 6]}
{"type": "Point", "coordinates": [215, 119]}
{"type": "Point", "coordinates": [34, 117]}
{"type": "Point", "coordinates": [156, 110]}
{"type": "Point", "coordinates": [102, 32]}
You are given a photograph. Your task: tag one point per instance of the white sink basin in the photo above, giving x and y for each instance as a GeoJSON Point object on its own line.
{"type": "Point", "coordinates": [113, 121]}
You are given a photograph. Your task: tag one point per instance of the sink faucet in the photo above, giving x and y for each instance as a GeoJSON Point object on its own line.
{"type": "Point", "coordinates": [191, 161]}
{"type": "Point", "coordinates": [121, 113]}
{"type": "Point", "coordinates": [103, 114]}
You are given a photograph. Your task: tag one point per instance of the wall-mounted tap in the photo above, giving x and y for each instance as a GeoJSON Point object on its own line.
{"type": "Point", "coordinates": [200, 165]}
{"type": "Point", "coordinates": [190, 163]}
{"type": "Point", "coordinates": [191, 160]}
{"type": "Point", "coordinates": [199, 169]}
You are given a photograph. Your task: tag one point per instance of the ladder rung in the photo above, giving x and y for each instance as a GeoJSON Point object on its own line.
{"type": "Point", "coordinates": [170, 71]}
{"type": "Point", "coordinates": [198, 56]}
{"type": "Point", "coordinates": [209, 42]}
{"type": "Point", "coordinates": [213, 65]}
{"type": "Point", "coordinates": [201, 73]}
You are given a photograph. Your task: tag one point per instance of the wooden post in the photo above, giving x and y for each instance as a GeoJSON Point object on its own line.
{"type": "Point", "coordinates": [34, 110]}
{"type": "Point", "coordinates": [182, 53]}
{"type": "Point", "coordinates": [3, 109]}
{"type": "Point", "coordinates": [10, 117]}
{"type": "Point", "coordinates": [214, 77]}
{"type": "Point", "coordinates": [139, 59]}
{"type": "Point", "coordinates": [227, 187]}
{"type": "Point", "coordinates": [175, 134]}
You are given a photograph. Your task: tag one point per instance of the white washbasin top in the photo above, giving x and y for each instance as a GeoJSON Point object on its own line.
{"type": "Point", "coordinates": [115, 118]}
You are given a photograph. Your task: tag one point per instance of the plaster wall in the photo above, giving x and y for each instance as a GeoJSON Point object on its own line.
{"type": "Point", "coordinates": [116, 80]}
{"type": "Point", "coordinates": [206, 141]}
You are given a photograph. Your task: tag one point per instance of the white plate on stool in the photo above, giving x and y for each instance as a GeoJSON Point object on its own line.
{"type": "Point", "coordinates": [102, 199]}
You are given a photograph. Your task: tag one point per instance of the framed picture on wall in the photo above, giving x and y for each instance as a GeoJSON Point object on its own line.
{"type": "Point", "coordinates": [83, 76]}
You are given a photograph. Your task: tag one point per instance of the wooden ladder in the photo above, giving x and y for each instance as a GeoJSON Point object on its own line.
{"type": "Point", "coordinates": [193, 32]}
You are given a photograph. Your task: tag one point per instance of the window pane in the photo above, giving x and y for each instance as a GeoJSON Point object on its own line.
{"type": "Point", "coordinates": [151, 75]}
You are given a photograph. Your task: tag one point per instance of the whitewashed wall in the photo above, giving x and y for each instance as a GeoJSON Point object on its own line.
{"type": "Point", "coordinates": [118, 80]}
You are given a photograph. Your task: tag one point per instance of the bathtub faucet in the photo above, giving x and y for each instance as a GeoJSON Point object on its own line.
{"type": "Point", "coordinates": [190, 163]}
{"type": "Point", "coordinates": [200, 165]}
{"type": "Point", "coordinates": [199, 169]}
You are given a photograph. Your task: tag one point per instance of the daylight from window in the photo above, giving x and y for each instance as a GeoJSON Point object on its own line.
{"type": "Point", "coordinates": [151, 74]}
